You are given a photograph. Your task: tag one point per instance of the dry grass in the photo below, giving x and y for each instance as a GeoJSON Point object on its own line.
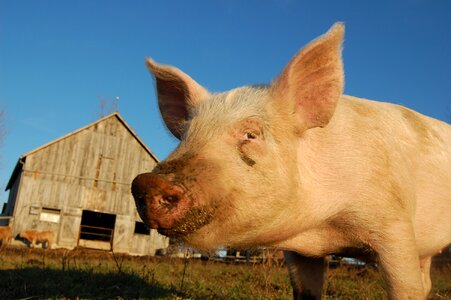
{"type": "Point", "coordinates": [60, 274]}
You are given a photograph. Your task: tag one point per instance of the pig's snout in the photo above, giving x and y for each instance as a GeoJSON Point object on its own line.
{"type": "Point", "coordinates": [150, 187]}
{"type": "Point", "coordinates": [161, 204]}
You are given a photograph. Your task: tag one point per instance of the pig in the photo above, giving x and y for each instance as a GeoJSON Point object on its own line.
{"type": "Point", "coordinates": [34, 237]}
{"type": "Point", "coordinates": [5, 235]}
{"type": "Point", "coordinates": [298, 165]}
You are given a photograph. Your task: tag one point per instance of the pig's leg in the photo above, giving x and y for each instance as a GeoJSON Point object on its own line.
{"type": "Point", "coordinates": [306, 275]}
{"type": "Point", "coordinates": [399, 261]}
{"type": "Point", "coordinates": [425, 264]}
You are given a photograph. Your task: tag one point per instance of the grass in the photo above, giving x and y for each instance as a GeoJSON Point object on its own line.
{"type": "Point", "coordinates": [82, 274]}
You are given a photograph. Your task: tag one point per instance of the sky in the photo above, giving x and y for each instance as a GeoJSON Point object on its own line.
{"type": "Point", "coordinates": [59, 60]}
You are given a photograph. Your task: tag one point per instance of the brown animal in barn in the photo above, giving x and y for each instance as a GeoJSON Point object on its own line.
{"type": "Point", "coordinates": [38, 237]}
{"type": "Point", "coordinates": [5, 235]}
{"type": "Point", "coordinates": [300, 166]}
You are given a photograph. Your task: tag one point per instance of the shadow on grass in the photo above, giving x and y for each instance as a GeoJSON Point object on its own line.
{"type": "Point", "coordinates": [38, 283]}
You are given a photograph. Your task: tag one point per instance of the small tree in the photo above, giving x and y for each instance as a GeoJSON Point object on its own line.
{"type": "Point", "coordinates": [108, 106]}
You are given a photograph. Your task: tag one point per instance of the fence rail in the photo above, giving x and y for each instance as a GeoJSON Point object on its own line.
{"type": "Point", "coordinates": [95, 233]}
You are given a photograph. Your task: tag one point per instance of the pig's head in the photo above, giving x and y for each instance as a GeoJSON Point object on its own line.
{"type": "Point", "coordinates": [234, 177]}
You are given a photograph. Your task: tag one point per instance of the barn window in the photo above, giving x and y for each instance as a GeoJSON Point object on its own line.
{"type": "Point", "coordinates": [141, 228]}
{"type": "Point", "coordinates": [50, 215]}
{"type": "Point", "coordinates": [97, 226]}
{"type": "Point", "coordinates": [34, 210]}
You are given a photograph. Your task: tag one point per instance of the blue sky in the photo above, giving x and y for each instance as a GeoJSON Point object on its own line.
{"type": "Point", "coordinates": [58, 59]}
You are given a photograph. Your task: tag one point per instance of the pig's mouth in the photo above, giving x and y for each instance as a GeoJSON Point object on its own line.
{"type": "Point", "coordinates": [168, 232]}
{"type": "Point", "coordinates": [195, 218]}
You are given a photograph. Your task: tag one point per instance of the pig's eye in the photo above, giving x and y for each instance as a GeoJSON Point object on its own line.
{"type": "Point", "coordinates": [249, 135]}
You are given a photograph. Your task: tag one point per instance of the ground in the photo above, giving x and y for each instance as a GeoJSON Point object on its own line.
{"type": "Point", "coordinates": [62, 274]}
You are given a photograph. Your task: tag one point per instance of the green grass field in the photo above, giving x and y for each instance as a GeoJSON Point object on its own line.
{"type": "Point", "coordinates": [82, 274]}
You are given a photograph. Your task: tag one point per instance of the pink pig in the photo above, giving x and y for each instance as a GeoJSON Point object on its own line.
{"type": "Point", "coordinates": [299, 166]}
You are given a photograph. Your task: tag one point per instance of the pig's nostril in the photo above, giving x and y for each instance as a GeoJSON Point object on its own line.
{"type": "Point", "coordinates": [140, 198]}
{"type": "Point", "coordinates": [169, 200]}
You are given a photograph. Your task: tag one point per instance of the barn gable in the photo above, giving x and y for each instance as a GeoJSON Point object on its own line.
{"type": "Point", "coordinates": [82, 180]}
{"type": "Point", "coordinates": [110, 124]}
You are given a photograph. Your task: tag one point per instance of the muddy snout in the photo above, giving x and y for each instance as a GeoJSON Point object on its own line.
{"type": "Point", "coordinates": [161, 204]}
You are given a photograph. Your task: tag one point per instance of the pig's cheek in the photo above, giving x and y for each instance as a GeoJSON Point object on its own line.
{"type": "Point", "coordinates": [252, 152]}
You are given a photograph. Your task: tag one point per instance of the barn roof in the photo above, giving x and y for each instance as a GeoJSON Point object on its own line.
{"type": "Point", "coordinates": [21, 160]}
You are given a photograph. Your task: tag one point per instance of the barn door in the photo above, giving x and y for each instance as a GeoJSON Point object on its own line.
{"type": "Point", "coordinates": [69, 229]}
{"type": "Point", "coordinates": [123, 233]}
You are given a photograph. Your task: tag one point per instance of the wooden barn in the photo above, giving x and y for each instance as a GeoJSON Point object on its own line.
{"type": "Point", "coordinates": [78, 186]}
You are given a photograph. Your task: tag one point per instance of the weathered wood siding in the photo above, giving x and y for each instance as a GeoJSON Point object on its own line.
{"type": "Point", "coordinates": [91, 169]}
{"type": "Point", "coordinates": [12, 198]}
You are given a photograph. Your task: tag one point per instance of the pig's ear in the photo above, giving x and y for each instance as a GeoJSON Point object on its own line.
{"type": "Point", "coordinates": [177, 95]}
{"type": "Point", "coordinates": [312, 82]}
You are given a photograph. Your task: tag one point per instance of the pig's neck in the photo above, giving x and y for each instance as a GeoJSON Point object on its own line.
{"type": "Point", "coordinates": [326, 159]}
